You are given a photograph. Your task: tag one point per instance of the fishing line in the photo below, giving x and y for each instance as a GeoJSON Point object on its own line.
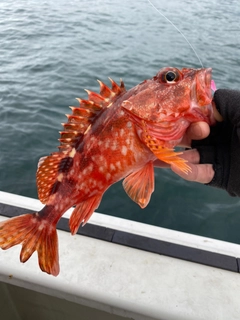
{"type": "Point", "coordinates": [163, 15]}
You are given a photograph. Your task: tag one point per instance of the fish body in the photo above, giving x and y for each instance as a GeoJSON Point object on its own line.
{"type": "Point", "coordinates": [114, 135]}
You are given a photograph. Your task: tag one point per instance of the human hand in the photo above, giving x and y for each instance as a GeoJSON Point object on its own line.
{"type": "Point", "coordinates": [215, 158]}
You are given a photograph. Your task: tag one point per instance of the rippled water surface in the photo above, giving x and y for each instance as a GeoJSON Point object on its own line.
{"type": "Point", "coordinates": [50, 51]}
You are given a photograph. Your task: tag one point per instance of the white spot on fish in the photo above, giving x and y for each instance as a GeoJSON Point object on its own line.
{"type": "Point", "coordinates": [114, 145]}
{"type": "Point", "coordinates": [86, 190]}
{"type": "Point", "coordinates": [102, 160]}
{"type": "Point", "coordinates": [72, 153]}
{"type": "Point", "coordinates": [88, 169]}
{"type": "Point", "coordinates": [42, 225]}
{"type": "Point", "coordinates": [92, 182]}
{"type": "Point", "coordinates": [108, 176]}
{"type": "Point", "coordinates": [101, 169]}
{"type": "Point", "coordinates": [99, 185]}
{"type": "Point", "coordinates": [122, 131]}
{"type": "Point", "coordinates": [115, 133]}
{"type": "Point", "coordinates": [107, 143]}
{"type": "Point", "coordinates": [124, 150]}
{"type": "Point", "coordinates": [118, 164]}
{"type": "Point", "coordinates": [112, 167]}
{"type": "Point", "coordinates": [99, 143]}
{"type": "Point", "coordinates": [94, 158]}
{"type": "Point", "coordinates": [72, 171]}
{"type": "Point", "coordinates": [60, 177]}
{"type": "Point", "coordinates": [129, 124]}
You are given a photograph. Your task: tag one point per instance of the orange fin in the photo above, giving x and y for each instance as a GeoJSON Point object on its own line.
{"type": "Point", "coordinates": [35, 234]}
{"type": "Point", "coordinates": [83, 116]}
{"type": "Point", "coordinates": [167, 155]}
{"type": "Point", "coordinates": [83, 212]}
{"type": "Point", "coordinates": [49, 174]}
{"type": "Point", "coordinates": [139, 185]}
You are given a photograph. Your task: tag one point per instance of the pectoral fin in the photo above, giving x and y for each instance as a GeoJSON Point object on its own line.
{"type": "Point", "coordinates": [139, 185]}
{"type": "Point", "coordinates": [167, 155]}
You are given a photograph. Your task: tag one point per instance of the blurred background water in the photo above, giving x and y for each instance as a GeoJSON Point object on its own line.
{"type": "Point", "coordinates": [51, 50]}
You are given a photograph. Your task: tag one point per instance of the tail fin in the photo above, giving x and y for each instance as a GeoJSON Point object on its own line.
{"type": "Point", "coordinates": [35, 234]}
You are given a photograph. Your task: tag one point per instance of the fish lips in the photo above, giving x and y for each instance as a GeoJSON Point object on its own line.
{"type": "Point", "coordinates": [201, 94]}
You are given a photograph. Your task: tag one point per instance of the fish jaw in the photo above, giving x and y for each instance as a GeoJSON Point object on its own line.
{"type": "Point", "coordinates": [201, 98]}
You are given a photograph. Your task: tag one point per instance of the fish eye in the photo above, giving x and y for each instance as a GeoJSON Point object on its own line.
{"type": "Point", "coordinates": [170, 76]}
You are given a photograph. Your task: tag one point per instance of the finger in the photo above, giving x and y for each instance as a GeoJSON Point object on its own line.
{"type": "Point", "coordinates": [196, 131]}
{"type": "Point", "coordinates": [160, 164]}
{"type": "Point", "coordinates": [191, 156]}
{"type": "Point", "coordinates": [202, 173]}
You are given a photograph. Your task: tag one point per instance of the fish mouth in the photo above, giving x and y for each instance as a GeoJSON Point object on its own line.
{"type": "Point", "coordinates": [208, 82]}
{"type": "Point", "coordinates": [201, 94]}
{"type": "Point", "coordinates": [203, 86]}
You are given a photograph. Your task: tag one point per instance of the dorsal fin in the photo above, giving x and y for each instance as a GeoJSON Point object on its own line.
{"type": "Point", "coordinates": [52, 168]}
{"type": "Point", "coordinates": [83, 116]}
{"type": "Point", "coordinates": [48, 175]}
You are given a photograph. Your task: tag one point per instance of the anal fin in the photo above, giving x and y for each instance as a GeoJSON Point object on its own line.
{"type": "Point", "coordinates": [83, 212]}
{"type": "Point", "coordinates": [139, 185]}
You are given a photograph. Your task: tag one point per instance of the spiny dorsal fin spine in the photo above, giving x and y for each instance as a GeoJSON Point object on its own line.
{"type": "Point", "coordinates": [122, 86]}
{"type": "Point", "coordinates": [95, 97]}
{"type": "Point", "coordinates": [83, 116]}
{"type": "Point", "coordinates": [105, 91]}
{"type": "Point", "coordinates": [84, 112]}
{"type": "Point", "coordinates": [116, 88]}
{"type": "Point", "coordinates": [71, 126]}
{"type": "Point", "coordinates": [77, 119]}
{"type": "Point", "coordinates": [87, 104]}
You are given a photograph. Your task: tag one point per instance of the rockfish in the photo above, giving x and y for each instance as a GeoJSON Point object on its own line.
{"type": "Point", "coordinates": [112, 135]}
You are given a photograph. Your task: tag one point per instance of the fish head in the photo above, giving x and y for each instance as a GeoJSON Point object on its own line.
{"type": "Point", "coordinates": [169, 102]}
{"type": "Point", "coordinates": [172, 94]}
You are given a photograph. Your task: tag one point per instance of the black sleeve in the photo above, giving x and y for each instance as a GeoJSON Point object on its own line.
{"type": "Point", "coordinates": [222, 147]}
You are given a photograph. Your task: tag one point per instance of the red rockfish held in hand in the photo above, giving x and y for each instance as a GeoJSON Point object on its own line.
{"type": "Point", "coordinates": [113, 135]}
